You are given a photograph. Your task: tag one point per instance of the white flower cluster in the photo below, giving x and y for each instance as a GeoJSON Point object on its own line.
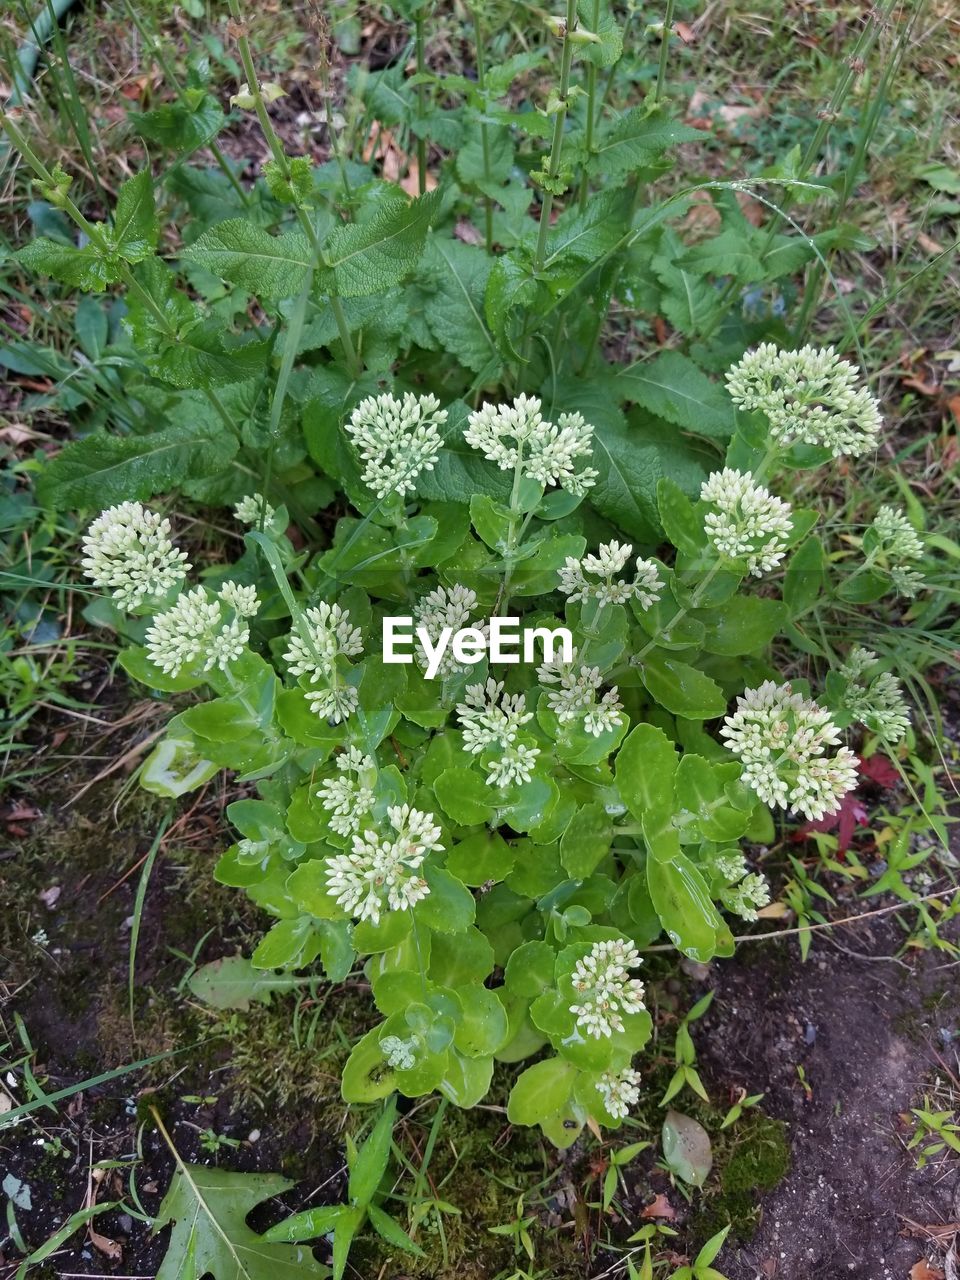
{"type": "Point", "coordinates": [379, 874]}
{"type": "Point", "coordinates": [782, 739]}
{"type": "Point", "coordinates": [329, 634]}
{"type": "Point", "coordinates": [876, 701]}
{"type": "Point", "coordinates": [745, 899]}
{"type": "Point", "coordinates": [749, 523]}
{"type": "Point", "coordinates": [811, 396]}
{"type": "Point", "coordinates": [400, 1054]}
{"type": "Point", "coordinates": [517, 435]}
{"type": "Point", "coordinates": [899, 544]}
{"type": "Point", "coordinates": [491, 719]}
{"type": "Point", "coordinates": [439, 609]}
{"type": "Point", "coordinates": [576, 695]}
{"type": "Point", "coordinates": [602, 979]}
{"type": "Point", "coordinates": [195, 632]}
{"type": "Point", "coordinates": [619, 1090]}
{"type": "Point", "coordinates": [396, 440]}
{"type": "Point", "coordinates": [346, 798]}
{"type": "Point", "coordinates": [610, 560]}
{"type": "Point", "coordinates": [248, 509]}
{"type": "Point", "coordinates": [127, 551]}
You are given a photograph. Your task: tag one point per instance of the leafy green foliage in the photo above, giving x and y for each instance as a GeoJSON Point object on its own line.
{"type": "Point", "coordinates": [208, 1209]}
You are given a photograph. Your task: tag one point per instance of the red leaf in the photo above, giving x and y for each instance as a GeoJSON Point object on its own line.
{"type": "Point", "coordinates": [878, 769]}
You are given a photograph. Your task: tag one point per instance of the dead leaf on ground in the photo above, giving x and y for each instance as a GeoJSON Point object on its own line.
{"type": "Point", "coordinates": [467, 232]}
{"type": "Point", "coordinates": [109, 1248]}
{"type": "Point", "coordinates": [686, 33]}
{"type": "Point", "coordinates": [49, 896]}
{"type": "Point", "coordinates": [922, 1270]}
{"type": "Point", "coordinates": [660, 1208]}
{"type": "Point", "coordinates": [382, 146]}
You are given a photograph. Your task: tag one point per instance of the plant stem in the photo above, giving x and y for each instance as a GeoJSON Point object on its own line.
{"type": "Point", "coordinates": [484, 130]}
{"type": "Point", "coordinates": [591, 112]}
{"type": "Point", "coordinates": [280, 159]}
{"type": "Point", "coordinates": [559, 120]}
{"type": "Point", "coordinates": [665, 48]}
{"type": "Point", "coordinates": [421, 104]}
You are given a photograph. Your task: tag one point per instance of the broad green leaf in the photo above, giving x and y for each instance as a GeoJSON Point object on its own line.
{"type": "Point", "coordinates": [449, 907]}
{"type": "Point", "coordinates": [805, 577]}
{"type": "Point", "coordinates": [636, 141]}
{"type": "Point", "coordinates": [586, 841]}
{"type": "Point", "coordinates": [626, 487]}
{"type": "Point", "coordinates": [675, 389]}
{"type": "Point", "coordinates": [646, 769]}
{"type": "Point", "coordinates": [466, 1080]}
{"type": "Point", "coordinates": [742, 624]}
{"type": "Point", "coordinates": [371, 257]}
{"type": "Point", "coordinates": [686, 1148]}
{"type": "Point", "coordinates": [541, 1091]}
{"type": "Point", "coordinates": [610, 48]}
{"type": "Point", "coordinates": [101, 469]}
{"type": "Point", "coordinates": [684, 906]}
{"type": "Point", "coordinates": [456, 276]}
{"type": "Point", "coordinates": [678, 516]}
{"type": "Point", "coordinates": [135, 225]}
{"type": "Point", "coordinates": [530, 969]}
{"type": "Point", "coordinates": [247, 255]}
{"type": "Point", "coordinates": [199, 359]}
{"type": "Point", "coordinates": [481, 857]}
{"type": "Point", "coordinates": [681, 689]}
{"type": "Point", "coordinates": [83, 268]}
{"type": "Point", "coordinates": [483, 1027]}
{"type": "Point", "coordinates": [233, 982]}
{"type": "Point", "coordinates": [464, 796]}
{"type": "Point", "coordinates": [181, 126]}
{"type": "Point", "coordinates": [208, 1209]}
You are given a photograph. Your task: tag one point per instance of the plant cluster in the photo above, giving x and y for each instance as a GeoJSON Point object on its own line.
{"type": "Point", "coordinates": [543, 823]}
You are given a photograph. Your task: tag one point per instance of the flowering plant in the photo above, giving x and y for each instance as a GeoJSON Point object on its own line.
{"type": "Point", "coordinates": [499, 845]}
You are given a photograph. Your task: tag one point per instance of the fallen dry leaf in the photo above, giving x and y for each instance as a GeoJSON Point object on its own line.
{"type": "Point", "coordinates": [953, 404]}
{"type": "Point", "coordinates": [109, 1248]}
{"type": "Point", "coordinates": [922, 1270]}
{"type": "Point", "coordinates": [49, 896]}
{"type": "Point", "coordinates": [660, 1208]}
{"type": "Point", "coordinates": [467, 232]}
{"type": "Point", "coordinates": [382, 146]}
{"type": "Point", "coordinates": [685, 32]}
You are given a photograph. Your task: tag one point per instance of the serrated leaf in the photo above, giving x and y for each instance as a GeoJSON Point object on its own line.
{"type": "Point", "coordinates": [458, 275]}
{"type": "Point", "coordinates": [208, 1209]}
{"type": "Point", "coordinates": [638, 139]}
{"type": "Point", "coordinates": [180, 126]}
{"type": "Point", "coordinates": [675, 389]}
{"type": "Point", "coordinates": [247, 255]}
{"type": "Point", "coordinates": [135, 226]}
{"type": "Point", "coordinates": [101, 469]}
{"type": "Point", "coordinates": [83, 268]}
{"type": "Point", "coordinates": [626, 488]}
{"type": "Point", "coordinates": [198, 360]}
{"type": "Point", "coordinates": [371, 257]}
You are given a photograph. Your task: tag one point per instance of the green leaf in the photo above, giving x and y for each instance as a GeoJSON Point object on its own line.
{"type": "Point", "coordinates": [391, 1231]}
{"type": "Point", "coordinates": [680, 521]}
{"type": "Point", "coordinates": [135, 225]}
{"type": "Point", "coordinates": [541, 1091]}
{"type": "Point", "coordinates": [457, 275]}
{"type": "Point", "coordinates": [805, 578]}
{"type": "Point", "coordinates": [198, 359]}
{"type": "Point", "coordinates": [101, 469]}
{"type": "Point", "coordinates": [181, 126]}
{"type": "Point", "coordinates": [680, 688]}
{"type": "Point", "coordinates": [586, 841]}
{"type": "Point", "coordinates": [686, 1148]}
{"type": "Point", "coordinates": [84, 268]}
{"type": "Point", "coordinates": [371, 257]}
{"type": "Point", "coordinates": [233, 982]}
{"type": "Point", "coordinates": [742, 624]}
{"type": "Point", "coordinates": [246, 255]}
{"type": "Point", "coordinates": [450, 906]}
{"type": "Point", "coordinates": [675, 389]}
{"type": "Point", "coordinates": [684, 906]}
{"type": "Point", "coordinates": [481, 857]}
{"type": "Point", "coordinates": [208, 1209]}
{"type": "Point", "coordinates": [711, 1248]}
{"type": "Point", "coordinates": [626, 487]}
{"type": "Point", "coordinates": [646, 768]}
{"type": "Point", "coordinates": [610, 48]}
{"type": "Point", "coordinates": [636, 141]}
{"type": "Point", "coordinates": [483, 1028]}
{"type": "Point", "coordinates": [464, 796]}
{"type": "Point", "coordinates": [372, 1159]}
